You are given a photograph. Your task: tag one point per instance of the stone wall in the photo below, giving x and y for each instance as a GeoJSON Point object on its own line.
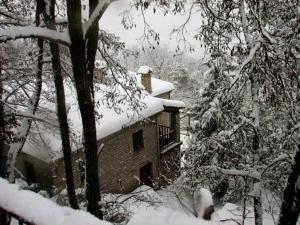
{"type": "Point", "coordinates": [120, 165]}
{"type": "Point", "coordinates": [42, 170]}
{"type": "Point", "coordinates": [58, 172]}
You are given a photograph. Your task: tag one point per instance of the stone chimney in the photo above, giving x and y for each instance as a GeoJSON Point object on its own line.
{"type": "Point", "coordinates": [145, 72]}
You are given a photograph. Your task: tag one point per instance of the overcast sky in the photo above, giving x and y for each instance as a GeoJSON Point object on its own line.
{"type": "Point", "coordinates": [111, 22]}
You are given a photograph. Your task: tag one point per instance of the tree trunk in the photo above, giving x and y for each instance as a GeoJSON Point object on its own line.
{"type": "Point", "coordinates": [61, 107]}
{"type": "Point", "coordinates": [92, 42]}
{"type": "Point", "coordinates": [63, 123]}
{"type": "Point", "coordinates": [258, 210]}
{"type": "Point", "coordinates": [290, 207]}
{"type": "Point", "coordinates": [3, 173]}
{"type": "Point", "coordinates": [86, 105]}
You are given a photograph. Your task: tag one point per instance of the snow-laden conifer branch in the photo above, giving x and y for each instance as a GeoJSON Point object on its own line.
{"type": "Point", "coordinates": [244, 173]}
{"type": "Point", "coordinates": [246, 61]}
{"type": "Point", "coordinates": [17, 32]}
{"type": "Point", "coordinates": [245, 24]}
{"type": "Point", "coordinates": [253, 173]}
{"type": "Point", "coordinates": [250, 56]}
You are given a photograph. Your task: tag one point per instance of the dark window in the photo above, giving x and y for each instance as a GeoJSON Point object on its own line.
{"type": "Point", "coordinates": [30, 174]}
{"type": "Point", "coordinates": [138, 140]}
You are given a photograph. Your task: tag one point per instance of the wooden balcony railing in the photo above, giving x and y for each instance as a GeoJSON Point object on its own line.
{"type": "Point", "coordinates": [167, 136]}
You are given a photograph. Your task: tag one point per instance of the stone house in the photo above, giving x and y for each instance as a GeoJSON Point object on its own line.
{"type": "Point", "coordinates": [133, 149]}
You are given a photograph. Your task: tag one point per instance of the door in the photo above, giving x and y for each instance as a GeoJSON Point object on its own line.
{"type": "Point", "coordinates": [146, 175]}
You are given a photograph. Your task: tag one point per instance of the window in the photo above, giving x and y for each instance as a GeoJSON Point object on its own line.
{"type": "Point", "coordinates": [138, 140]}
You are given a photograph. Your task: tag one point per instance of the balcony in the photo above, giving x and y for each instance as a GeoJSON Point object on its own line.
{"type": "Point", "coordinates": [167, 138]}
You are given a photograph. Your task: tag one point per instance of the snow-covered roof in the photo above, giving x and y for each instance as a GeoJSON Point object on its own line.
{"type": "Point", "coordinates": [173, 103]}
{"type": "Point", "coordinates": [158, 86]}
{"type": "Point", "coordinates": [145, 70]}
{"type": "Point", "coordinates": [47, 144]}
{"type": "Point", "coordinates": [109, 123]}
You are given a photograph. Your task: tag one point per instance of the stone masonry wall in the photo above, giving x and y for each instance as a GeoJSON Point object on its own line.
{"type": "Point", "coordinates": [119, 164]}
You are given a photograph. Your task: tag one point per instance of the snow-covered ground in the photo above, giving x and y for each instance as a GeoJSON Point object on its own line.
{"type": "Point", "coordinates": [165, 207]}
{"type": "Point", "coordinates": [39, 210]}
{"type": "Point", "coordinates": [144, 206]}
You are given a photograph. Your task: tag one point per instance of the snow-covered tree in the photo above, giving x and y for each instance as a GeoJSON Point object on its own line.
{"type": "Point", "coordinates": [248, 113]}
{"type": "Point", "coordinates": [82, 40]}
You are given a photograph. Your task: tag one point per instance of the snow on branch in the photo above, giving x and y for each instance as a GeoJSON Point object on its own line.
{"type": "Point", "coordinates": [268, 36]}
{"type": "Point", "coordinates": [253, 173]}
{"type": "Point", "coordinates": [250, 56]}
{"type": "Point", "coordinates": [102, 5]}
{"type": "Point", "coordinates": [17, 32]}
{"type": "Point", "coordinates": [243, 173]}
{"type": "Point", "coordinates": [10, 15]}
{"type": "Point", "coordinates": [246, 61]}
{"type": "Point", "coordinates": [277, 160]}
{"type": "Point", "coordinates": [245, 24]}
{"type": "Point", "coordinates": [36, 209]}
{"type": "Point", "coordinates": [34, 117]}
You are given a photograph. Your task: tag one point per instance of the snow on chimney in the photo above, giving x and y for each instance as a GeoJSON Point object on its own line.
{"type": "Point", "coordinates": [146, 72]}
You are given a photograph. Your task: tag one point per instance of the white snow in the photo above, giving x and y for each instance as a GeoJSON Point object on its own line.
{"type": "Point", "coordinates": [87, 25]}
{"type": "Point", "coordinates": [173, 209]}
{"type": "Point", "coordinates": [173, 103]}
{"type": "Point", "coordinates": [202, 200]}
{"type": "Point", "coordinates": [13, 33]}
{"type": "Point", "coordinates": [231, 214]}
{"type": "Point", "coordinates": [145, 207]}
{"type": "Point", "coordinates": [247, 60]}
{"type": "Point", "coordinates": [39, 210]}
{"type": "Point", "coordinates": [165, 216]}
{"type": "Point", "coordinates": [145, 70]}
{"type": "Point", "coordinates": [100, 64]}
{"type": "Point", "coordinates": [158, 86]}
{"type": "Point", "coordinates": [48, 147]}
{"type": "Point", "coordinates": [175, 214]}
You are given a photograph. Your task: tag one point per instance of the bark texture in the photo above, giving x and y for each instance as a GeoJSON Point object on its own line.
{"type": "Point", "coordinates": [61, 107]}
{"type": "Point", "coordinates": [290, 207]}
{"type": "Point", "coordinates": [86, 105]}
{"type": "Point", "coordinates": [3, 173]}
